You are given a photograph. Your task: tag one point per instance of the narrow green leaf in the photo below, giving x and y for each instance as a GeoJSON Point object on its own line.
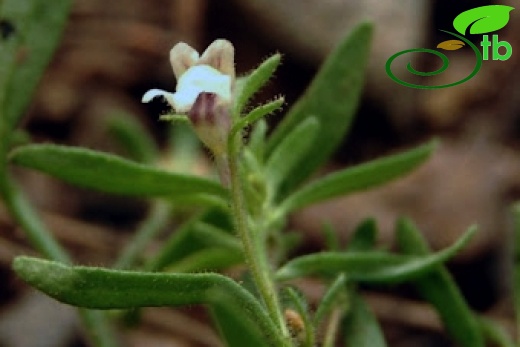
{"type": "Point", "coordinates": [214, 236]}
{"type": "Point", "coordinates": [290, 151]}
{"type": "Point", "coordinates": [201, 231]}
{"type": "Point", "coordinates": [257, 139]}
{"type": "Point", "coordinates": [333, 297]}
{"type": "Point", "coordinates": [257, 113]}
{"type": "Point", "coordinates": [359, 177]}
{"type": "Point", "coordinates": [109, 173]}
{"type": "Point", "coordinates": [248, 85]}
{"type": "Point", "coordinates": [495, 333]}
{"type": "Point", "coordinates": [207, 259]}
{"type": "Point", "coordinates": [157, 219]}
{"type": "Point", "coordinates": [438, 288]}
{"type": "Point", "coordinates": [112, 289]}
{"type": "Point", "coordinates": [330, 236]}
{"type": "Point", "coordinates": [133, 137]}
{"type": "Point", "coordinates": [483, 19]}
{"type": "Point", "coordinates": [364, 237]}
{"type": "Point", "coordinates": [234, 329]}
{"type": "Point", "coordinates": [19, 137]}
{"type": "Point", "coordinates": [180, 244]}
{"type": "Point", "coordinates": [333, 98]}
{"type": "Point", "coordinates": [28, 219]}
{"type": "Point", "coordinates": [360, 328]}
{"type": "Point", "coordinates": [370, 266]}
{"type": "Point", "coordinates": [36, 28]}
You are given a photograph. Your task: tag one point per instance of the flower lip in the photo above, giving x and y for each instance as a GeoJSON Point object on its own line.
{"type": "Point", "coordinates": [199, 79]}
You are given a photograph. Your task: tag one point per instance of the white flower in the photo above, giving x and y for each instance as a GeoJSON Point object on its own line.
{"type": "Point", "coordinates": [213, 72]}
{"type": "Point", "coordinates": [204, 90]}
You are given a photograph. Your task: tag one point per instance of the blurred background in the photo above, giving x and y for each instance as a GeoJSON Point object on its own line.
{"type": "Point", "coordinates": [112, 52]}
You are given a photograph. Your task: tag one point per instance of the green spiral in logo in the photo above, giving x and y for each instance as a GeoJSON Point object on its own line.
{"type": "Point", "coordinates": [445, 64]}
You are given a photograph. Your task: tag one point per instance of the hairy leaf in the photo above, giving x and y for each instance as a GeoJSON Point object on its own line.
{"type": "Point", "coordinates": [332, 97]}
{"type": "Point", "coordinates": [290, 151]}
{"type": "Point", "coordinates": [248, 85]}
{"type": "Point", "coordinates": [364, 237]}
{"type": "Point", "coordinates": [360, 327]}
{"type": "Point", "coordinates": [359, 178]}
{"type": "Point", "coordinates": [133, 137]}
{"type": "Point", "coordinates": [439, 288]}
{"type": "Point", "coordinates": [333, 297]}
{"type": "Point", "coordinates": [236, 331]}
{"type": "Point", "coordinates": [370, 266]}
{"type": "Point", "coordinates": [256, 114]}
{"type": "Point", "coordinates": [100, 288]}
{"type": "Point", "coordinates": [110, 173]}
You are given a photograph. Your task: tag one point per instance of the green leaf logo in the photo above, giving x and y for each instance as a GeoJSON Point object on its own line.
{"type": "Point", "coordinates": [482, 20]}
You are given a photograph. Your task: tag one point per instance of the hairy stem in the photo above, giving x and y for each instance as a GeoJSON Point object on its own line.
{"type": "Point", "coordinates": [254, 250]}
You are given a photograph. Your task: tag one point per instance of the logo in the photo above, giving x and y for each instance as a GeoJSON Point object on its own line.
{"type": "Point", "coordinates": [480, 20]}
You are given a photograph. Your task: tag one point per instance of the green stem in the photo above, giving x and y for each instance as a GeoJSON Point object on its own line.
{"type": "Point", "coordinates": [29, 221]}
{"type": "Point", "coordinates": [158, 217]}
{"type": "Point", "coordinates": [254, 251]}
{"type": "Point", "coordinates": [97, 328]}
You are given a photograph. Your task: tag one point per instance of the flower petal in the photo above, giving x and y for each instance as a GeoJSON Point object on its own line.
{"type": "Point", "coordinates": [203, 78]}
{"type": "Point", "coordinates": [182, 57]}
{"type": "Point", "coordinates": [153, 93]}
{"type": "Point", "coordinates": [220, 54]}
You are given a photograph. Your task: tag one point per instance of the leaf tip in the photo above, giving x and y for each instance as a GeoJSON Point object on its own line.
{"type": "Point", "coordinates": [19, 263]}
{"type": "Point", "coordinates": [28, 268]}
{"type": "Point", "coordinates": [283, 274]}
